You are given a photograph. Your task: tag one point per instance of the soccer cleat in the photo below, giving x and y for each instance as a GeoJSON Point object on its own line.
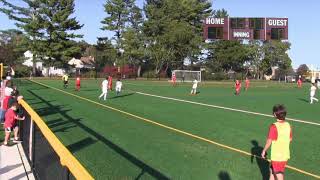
{"type": "Point", "coordinates": [16, 141]}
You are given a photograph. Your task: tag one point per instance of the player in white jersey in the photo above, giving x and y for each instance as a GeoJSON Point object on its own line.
{"type": "Point", "coordinates": [104, 87]}
{"type": "Point", "coordinates": [194, 87]}
{"type": "Point", "coordinates": [313, 90]}
{"type": "Point", "coordinates": [118, 86]}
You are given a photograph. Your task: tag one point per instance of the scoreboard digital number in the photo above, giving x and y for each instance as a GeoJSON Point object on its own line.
{"type": "Point", "coordinates": [246, 28]}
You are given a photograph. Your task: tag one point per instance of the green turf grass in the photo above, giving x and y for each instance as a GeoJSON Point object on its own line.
{"type": "Point", "coordinates": [113, 145]}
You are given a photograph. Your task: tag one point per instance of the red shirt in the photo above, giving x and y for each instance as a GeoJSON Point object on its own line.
{"type": "Point", "coordinates": [273, 133]}
{"type": "Point", "coordinates": [110, 81]}
{"type": "Point", "coordinates": [247, 82]}
{"type": "Point", "coordinates": [299, 81]}
{"type": "Point", "coordinates": [238, 86]}
{"type": "Point", "coordinates": [10, 119]}
{"type": "Point", "coordinates": [6, 102]}
{"type": "Point", "coordinates": [78, 81]}
{"type": "Point", "coordinates": [174, 78]}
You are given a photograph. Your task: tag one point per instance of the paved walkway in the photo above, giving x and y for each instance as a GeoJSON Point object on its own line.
{"type": "Point", "coordinates": [14, 164]}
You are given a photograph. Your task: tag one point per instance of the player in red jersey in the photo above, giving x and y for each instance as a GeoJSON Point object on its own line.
{"type": "Point", "coordinates": [110, 83]}
{"type": "Point", "coordinates": [247, 83]}
{"type": "Point", "coordinates": [174, 79]}
{"type": "Point", "coordinates": [238, 87]}
{"type": "Point", "coordinates": [78, 83]}
{"type": "Point", "coordinates": [299, 82]}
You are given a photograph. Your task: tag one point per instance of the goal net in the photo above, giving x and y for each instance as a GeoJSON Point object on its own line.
{"type": "Point", "coordinates": [187, 76]}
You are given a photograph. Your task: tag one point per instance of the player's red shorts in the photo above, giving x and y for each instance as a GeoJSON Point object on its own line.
{"type": "Point", "coordinates": [238, 89]}
{"type": "Point", "coordinates": [278, 166]}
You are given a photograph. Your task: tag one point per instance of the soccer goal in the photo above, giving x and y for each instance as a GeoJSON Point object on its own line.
{"type": "Point", "coordinates": [187, 76]}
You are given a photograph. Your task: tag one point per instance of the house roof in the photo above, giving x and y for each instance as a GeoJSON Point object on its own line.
{"type": "Point", "coordinates": [89, 60]}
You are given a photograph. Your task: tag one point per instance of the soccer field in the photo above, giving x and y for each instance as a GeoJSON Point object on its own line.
{"type": "Point", "coordinates": [156, 131]}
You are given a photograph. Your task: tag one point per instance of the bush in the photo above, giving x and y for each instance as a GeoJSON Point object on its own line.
{"type": "Point", "coordinates": [22, 71]}
{"type": "Point", "coordinates": [149, 74]}
{"type": "Point", "coordinates": [88, 74]}
{"type": "Point", "coordinates": [218, 76]}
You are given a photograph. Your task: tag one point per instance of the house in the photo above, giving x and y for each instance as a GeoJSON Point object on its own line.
{"type": "Point", "coordinates": [51, 71]}
{"type": "Point", "coordinates": [88, 62]}
{"type": "Point", "coordinates": [314, 73]}
{"type": "Point", "coordinates": [28, 60]}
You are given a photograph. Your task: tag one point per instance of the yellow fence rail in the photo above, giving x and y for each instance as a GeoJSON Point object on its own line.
{"type": "Point", "coordinates": [66, 158]}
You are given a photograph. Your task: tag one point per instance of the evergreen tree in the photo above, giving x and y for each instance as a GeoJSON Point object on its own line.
{"type": "Point", "coordinates": [29, 21]}
{"type": "Point", "coordinates": [117, 19]}
{"type": "Point", "coordinates": [133, 39]}
{"type": "Point", "coordinates": [59, 29]}
{"type": "Point", "coordinates": [220, 13]}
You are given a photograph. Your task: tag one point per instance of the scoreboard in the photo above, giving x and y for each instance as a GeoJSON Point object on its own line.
{"type": "Point", "coordinates": [230, 28]}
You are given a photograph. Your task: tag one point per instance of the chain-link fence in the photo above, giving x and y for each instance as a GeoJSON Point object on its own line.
{"type": "Point", "coordinates": [47, 156]}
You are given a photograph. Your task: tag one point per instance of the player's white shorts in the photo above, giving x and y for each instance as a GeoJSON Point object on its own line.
{"type": "Point", "coordinates": [105, 90]}
{"type": "Point", "coordinates": [118, 89]}
{"type": "Point", "coordinates": [194, 87]}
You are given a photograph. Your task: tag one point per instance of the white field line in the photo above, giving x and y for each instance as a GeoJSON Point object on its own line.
{"type": "Point", "coordinates": [226, 108]}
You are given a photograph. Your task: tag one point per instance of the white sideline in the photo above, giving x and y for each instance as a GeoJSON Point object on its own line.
{"type": "Point", "coordinates": [226, 108]}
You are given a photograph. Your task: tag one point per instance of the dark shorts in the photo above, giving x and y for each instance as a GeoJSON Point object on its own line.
{"type": "Point", "coordinates": [65, 82]}
{"type": "Point", "coordinates": [278, 166]}
{"type": "Point", "coordinates": [10, 129]}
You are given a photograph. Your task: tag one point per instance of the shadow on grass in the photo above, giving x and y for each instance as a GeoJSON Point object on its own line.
{"type": "Point", "coordinates": [263, 165]}
{"type": "Point", "coordinates": [81, 144]}
{"type": "Point", "coordinates": [121, 96]}
{"type": "Point", "coordinates": [304, 100]}
{"type": "Point", "coordinates": [89, 90]}
{"type": "Point", "coordinates": [51, 109]}
{"type": "Point", "coordinates": [223, 175]}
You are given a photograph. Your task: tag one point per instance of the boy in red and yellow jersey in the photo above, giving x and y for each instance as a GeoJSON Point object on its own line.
{"type": "Point", "coordinates": [279, 138]}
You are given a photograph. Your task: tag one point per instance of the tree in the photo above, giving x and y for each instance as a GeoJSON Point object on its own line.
{"type": "Point", "coordinates": [27, 19]}
{"type": "Point", "coordinates": [105, 53]}
{"type": "Point", "coordinates": [255, 57]}
{"type": "Point", "coordinates": [59, 28]}
{"type": "Point", "coordinates": [275, 55]}
{"type": "Point", "coordinates": [11, 46]}
{"type": "Point", "coordinates": [228, 55]}
{"type": "Point", "coordinates": [118, 16]}
{"type": "Point", "coordinates": [303, 70]}
{"type": "Point", "coordinates": [220, 13]}
{"type": "Point", "coordinates": [174, 27]}
{"type": "Point", "coordinates": [133, 39]}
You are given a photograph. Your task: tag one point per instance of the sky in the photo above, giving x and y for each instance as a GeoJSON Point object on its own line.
{"type": "Point", "coordinates": [303, 21]}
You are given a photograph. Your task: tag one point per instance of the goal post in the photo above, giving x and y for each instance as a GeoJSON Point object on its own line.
{"type": "Point", "coordinates": [1, 70]}
{"type": "Point", "coordinates": [187, 76]}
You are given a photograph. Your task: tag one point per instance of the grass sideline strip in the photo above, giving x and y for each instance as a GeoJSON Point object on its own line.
{"type": "Point", "coordinates": [225, 108]}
